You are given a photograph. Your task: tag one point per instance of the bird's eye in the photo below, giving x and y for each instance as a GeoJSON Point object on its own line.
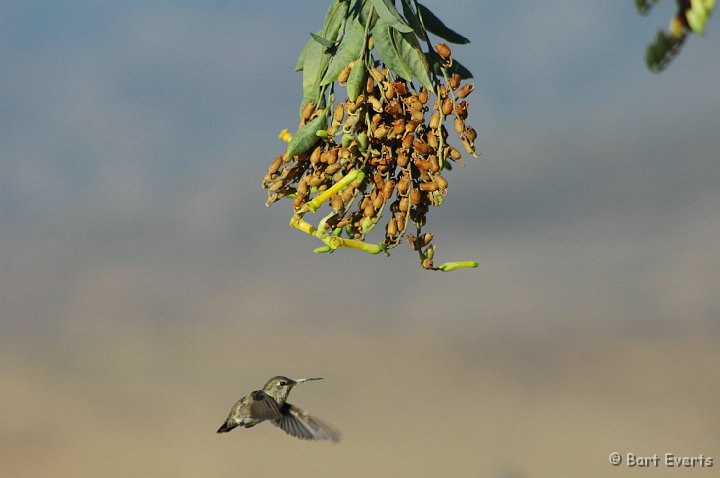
{"type": "Point", "coordinates": [283, 383]}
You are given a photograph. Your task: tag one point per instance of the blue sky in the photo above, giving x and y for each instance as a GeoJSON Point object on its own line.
{"type": "Point", "coordinates": [144, 285]}
{"type": "Point", "coordinates": [140, 131]}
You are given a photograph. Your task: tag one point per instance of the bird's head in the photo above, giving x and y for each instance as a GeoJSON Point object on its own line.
{"type": "Point", "coordinates": [279, 387]}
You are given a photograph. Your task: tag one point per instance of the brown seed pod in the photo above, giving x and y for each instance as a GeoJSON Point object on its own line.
{"type": "Point", "coordinates": [459, 125]}
{"type": "Point", "coordinates": [336, 203]}
{"type": "Point", "coordinates": [315, 156]}
{"type": "Point", "coordinates": [315, 181]}
{"type": "Point", "coordinates": [447, 106]}
{"type": "Point", "coordinates": [299, 201]}
{"type": "Point", "coordinates": [302, 188]}
{"type": "Point", "coordinates": [426, 239]}
{"type": "Point", "coordinates": [380, 132]}
{"type": "Point", "coordinates": [400, 88]}
{"type": "Point", "coordinates": [377, 74]}
{"type": "Point", "coordinates": [428, 186]}
{"type": "Point", "coordinates": [343, 152]}
{"type": "Point", "coordinates": [461, 109]}
{"type": "Point", "coordinates": [422, 164]}
{"type": "Point", "coordinates": [403, 204]}
{"type": "Point", "coordinates": [434, 163]}
{"type": "Point", "coordinates": [465, 90]}
{"type": "Point", "coordinates": [275, 165]}
{"type": "Point", "coordinates": [423, 96]}
{"type": "Point", "coordinates": [347, 194]}
{"type": "Point", "coordinates": [413, 104]}
{"type": "Point", "coordinates": [403, 185]}
{"type": "Point", "coordinates": [411, 126]}
{"type": "Point", "coordinates": [388, 188]}
{"type": "Point", "coordinates": [378, 181]}
{"type": "Point", "coordinates": [432, 140]}
{"type": "Point", "coordinates": [342, 78]}
{"type": "Point", "coordinates": [454, 153]}
{"type": "Point", "coordinates": [350, 122]}
{"type": "Point", "coordinates": [370, 84]}
{"type": "Point", "coordinates": [368, 210]}
{"type": "Point", "coordinates": [434, 122]}
{"type": "Point", "coordinates": [421, 147]}
{"type": "Point", "coordinates": [412, 242]}
{"type": "Point", "coordinates": [376, 104]}
{"type": "Point", "coordinates": [417, 116]}
{"type": "Point", "coordinates": [440, 181]}
{"type": "Point", "coordinates": [399, 126]}
{"type": "Point", "coordinates": [338, 114]}
{"type": "Point", "coordinates": [468, 145]}
{"type": "Point", "coordinates": [389, 89]}
{"type": "Point", "coordinates": [378, 202]}
{"type": "Point", "coordinates": [407, 142]}
{"type": "Point", "coordinates": [351, 106]}
{"type": "Point", "coordinates": [403, 158]}
{"type": "Point", "coordinates": [323, 157]}
{"type": "Point", "coordinates": [276, 185]}
{"type": "Point", "coordinates": [444, 51]}
{"type": "Point", "coordinates": [307, 111]}
{"type": "Point", "coordinates": [470, 133]}
{"type": "Point", "coordinates": [392, 227]}
{"type": "Point", "coordinates": [365, 201]}
{"type": "Point", "coordinates": [415, 196]}
{"type": "Point", "coordinates": [393, 108]}
{"type": "Point", "coordinates": [427, 264]}
{"type": "Point", "coordinates": [454, 81]}
{"type": "Point", "coordinates": [443, 91]}
{"type": "Point", "coordinates": [333, 168]}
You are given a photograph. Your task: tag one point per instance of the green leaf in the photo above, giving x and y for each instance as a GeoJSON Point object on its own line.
{"type": "Point", "coordinates": [388, 13]}
{"type": "Point", "coordinates": [303, 54]}
{"type": "Point", "coordinates": [413, 20]}
{"type": "Point", "coordinates": [334, 20]}
{"type": "Point", "coordinates": [414, 57]}
{"type": "Point", "coordinates": [402, 54]}
{"type": "Point", "coordinates": [357, 79]}
{"type": "Point", "coordinates": [323, 41]}
{"type": "Point", "coordinates": [350, 49]}
{"type": "Point", "coordinates": [460, 69]}
{"type": "Point", "coordinates": [305, 138]}
{"type": "Point", "coordinates": [644, 6]}
{"type": "Point", "coordinates": [389, 51]}
{"type": "Point", "coordinates": [366, 11]}
{"type": "Point", "coordinates": [316, 57]}
{"type": "Point", "coordinates": [436, 64]}
{"type": "Point", "coordinates": [313, 59]}
{"type": "Point", "coordinates": [436, 26]}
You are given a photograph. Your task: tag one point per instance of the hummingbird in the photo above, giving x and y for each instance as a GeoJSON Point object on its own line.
{"type": "Point", "coordinates": [270, 404]}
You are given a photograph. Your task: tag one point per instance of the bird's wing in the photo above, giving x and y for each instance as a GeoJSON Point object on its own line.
{"type": "Point", "coordinates": [299, 423]}
{"type": "Point", "coordinates": [263, 406]}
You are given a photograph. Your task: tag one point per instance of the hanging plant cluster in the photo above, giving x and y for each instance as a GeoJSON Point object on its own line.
{"type": "Point", "coordinates": [379, 158]}
{"type": "Point", "coordinates": [691, 17]}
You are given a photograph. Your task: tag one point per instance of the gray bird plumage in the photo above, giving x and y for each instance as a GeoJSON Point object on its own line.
{"type": "Point", "coordinates": [270, 404]}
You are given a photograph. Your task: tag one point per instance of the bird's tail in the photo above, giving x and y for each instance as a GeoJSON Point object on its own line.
{"type": "Point", "coordinates": [226, 427]}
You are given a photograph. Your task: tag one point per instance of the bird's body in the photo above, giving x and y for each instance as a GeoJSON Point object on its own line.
{"type": "Point", "coordinates": [270, 404]}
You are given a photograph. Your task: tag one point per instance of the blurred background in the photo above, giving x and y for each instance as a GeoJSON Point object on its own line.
{"type": "Point", "coordinates": [144, 286]}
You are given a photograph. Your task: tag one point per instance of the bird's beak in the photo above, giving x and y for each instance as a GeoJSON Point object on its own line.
{"type": "Point", "coordinates": [301, 380]}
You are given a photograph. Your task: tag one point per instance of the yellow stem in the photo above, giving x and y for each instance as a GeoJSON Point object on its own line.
{"type": "Point", "coordinates": [304, 226]}
{"type": "Point", "coordinates": [318, 201]}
